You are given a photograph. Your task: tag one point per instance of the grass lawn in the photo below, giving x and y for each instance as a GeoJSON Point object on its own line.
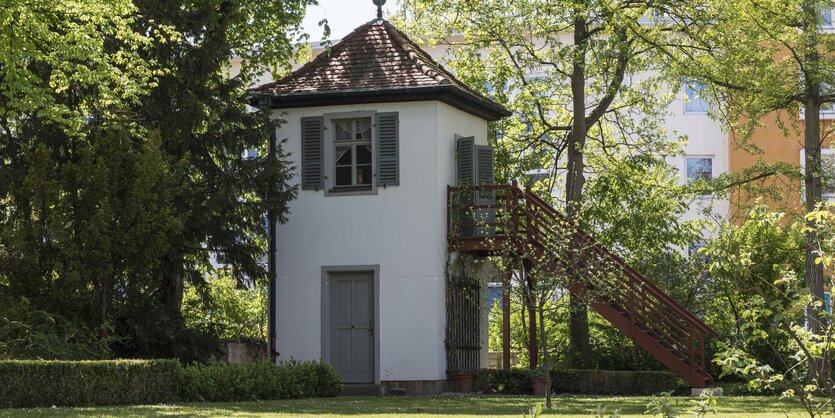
{"type": "Point", "coordinates": [493, 406]}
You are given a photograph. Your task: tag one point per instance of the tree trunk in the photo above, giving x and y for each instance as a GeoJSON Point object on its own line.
{"type": "Point", "coordinates": [506, 279]}
{"type": "Point", "coordinates": [546, 360]}
{"type": "Point", "coordinates": [530, 299]}
{"type": "Point", "coordinates": [814, 191]}
{"type": "Point", "coordinates": [818, 369]}
{"type": "Point", "coordinates": [578, 326]}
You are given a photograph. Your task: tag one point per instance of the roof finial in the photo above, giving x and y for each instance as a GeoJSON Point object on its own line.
{"type": "Point", "coordinates": [379, 4]}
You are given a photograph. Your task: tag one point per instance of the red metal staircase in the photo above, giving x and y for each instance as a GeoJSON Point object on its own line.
{"type": "Point", "coordinates": [506, 220]}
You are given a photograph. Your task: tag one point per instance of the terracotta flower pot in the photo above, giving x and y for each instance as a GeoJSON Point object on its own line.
{"type": "Point", "coordinates": [464, 382]}
{"type": "Point", "coordinates": [539, 385]}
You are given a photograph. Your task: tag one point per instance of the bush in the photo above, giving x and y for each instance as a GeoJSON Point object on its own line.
{"type": "Point", "coordinates": [510, 382]}
{"type": "Point", "coordinates": [608, 382]}
{"type": "Point", "coordinates": [29, 383]}
{"type": "Point", "coordinates": [599, 382]}
{"type": "Point", "coordinates": [219, 382]}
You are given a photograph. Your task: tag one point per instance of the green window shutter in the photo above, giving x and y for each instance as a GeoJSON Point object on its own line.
{"type": "Point", "coordinates": [484, 170]}
{"type": "Point", "coordinates": [313, 166]}
{"type": "Point", "coordinates": [388, 149]}
{"type": "Point", "coordinates": [484, 164]}
{"type": "Point", "coordinates": [466, 161]}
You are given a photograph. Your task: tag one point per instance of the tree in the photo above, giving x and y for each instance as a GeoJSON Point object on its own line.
{"type": "Point", "coordinates": [764, 58]}
{"type": "Point", "coordinates": [761, 261]}
{"type": "Point", "coordinates": [569, 71]}
{"type": "Point", "coordinates": [75, 210]}
{"type": "Point", "coordinates": [206, 124]}
{"type": "Point", "coordinates": [124, 168]}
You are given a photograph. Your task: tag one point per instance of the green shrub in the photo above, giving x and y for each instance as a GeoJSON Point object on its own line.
{"type": "Point", "coordinates": [599, 382]}
{"type": "Point", "coordinates": [219, 382]}
{"type": "Point", "coordinates": [29, 383]}
{"type": "Point", "coordinates": [510, 382]}
{"type": "Point", "coordinates": [609, 382]}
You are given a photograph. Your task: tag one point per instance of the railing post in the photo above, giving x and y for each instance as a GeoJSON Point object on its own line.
{"type": "Point", "coordinates": [692, 357]}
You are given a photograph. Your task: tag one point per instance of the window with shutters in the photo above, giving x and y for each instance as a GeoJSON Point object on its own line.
{"type": "Point", "coordinates": [359, 152]}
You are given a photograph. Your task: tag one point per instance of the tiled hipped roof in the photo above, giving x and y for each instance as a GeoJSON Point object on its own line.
{"type": "Point", "coordinates": [375, 63]}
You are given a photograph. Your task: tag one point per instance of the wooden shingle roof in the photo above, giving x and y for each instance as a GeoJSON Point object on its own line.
{"type": "Point", "coordinates": [375, 63]}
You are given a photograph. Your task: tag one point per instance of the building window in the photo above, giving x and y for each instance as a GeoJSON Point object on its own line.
{"type": "Point", "coordinates": [699, 168]}
{"type": "Point", "coordinates": [828, 173]}
{"type": "Point", "coordinates": [696, 103]}
{"type": "Point", "coordinates": [826, 19]}
{"type": "Point", "coordinates": [693, 250]}
{"type": "Point", "coordinates": [352, 152]}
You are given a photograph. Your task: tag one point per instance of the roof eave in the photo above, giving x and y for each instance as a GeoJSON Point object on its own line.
{"type": "Point", "coordinates": [448, 94]}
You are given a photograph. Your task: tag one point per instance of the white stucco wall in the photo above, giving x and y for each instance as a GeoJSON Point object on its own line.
{"type": "Point", "coordinates": [402, 229]}
{"type": "Point", "coordinates": [705, 138]}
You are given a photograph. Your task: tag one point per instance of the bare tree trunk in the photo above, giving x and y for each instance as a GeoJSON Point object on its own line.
{"type": "Point", "coordinates": [578, 326]}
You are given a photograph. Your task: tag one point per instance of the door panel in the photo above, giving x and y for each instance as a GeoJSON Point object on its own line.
{"type": "Point", "coordinates": [352, 326]}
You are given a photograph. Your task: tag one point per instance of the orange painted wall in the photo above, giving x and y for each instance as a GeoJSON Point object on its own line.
{"type": "Point", "coordinates": [775, 146]}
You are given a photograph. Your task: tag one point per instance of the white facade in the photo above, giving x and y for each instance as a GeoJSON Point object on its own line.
{"type": "Point", "coordinates": [400, 232]}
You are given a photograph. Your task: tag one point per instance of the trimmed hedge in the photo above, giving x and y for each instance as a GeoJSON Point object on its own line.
{"type": "Point", "coordinates": [32, 383]}
{"type": "Point", "coordinates": [611, 382]}
{"type": "Point", "coordinates": [597, 382]}
{"type": "Point", "coordinates": [25, 383]}
{"type": "Point", "coordinates": [510, 382]}
{"type": "Point", "coordinates": [238, 382]}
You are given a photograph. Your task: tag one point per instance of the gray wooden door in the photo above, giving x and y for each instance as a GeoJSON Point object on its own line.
{"type": "Point", "coordinates": [352, 326]}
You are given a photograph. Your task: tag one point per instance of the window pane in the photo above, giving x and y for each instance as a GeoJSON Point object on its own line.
{"type": "Point", "coordinates": [342, 130]}
{"type": "Point", "coordinates": [363, 154]}
{"type": "Point", "coordinates": [343, 156]}
{"type": "Point", "coordinates": [699, 168]}
{"type": "Point", "coordinates": [828, 174]}
{"type": "Point", "coordinates": [695, 101]}
{"type": "Point", "coordinates": [343, 176]}
{"type": "Point", "coordinates": [363, 129]}
{"type": "Point", "coordinates": [364, 174]}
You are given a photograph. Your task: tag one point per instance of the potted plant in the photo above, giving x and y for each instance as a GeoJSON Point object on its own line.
{"type": "Point", "coordinates": [539, 381]}
{"type": "Point", "coordinates": [464, 381]}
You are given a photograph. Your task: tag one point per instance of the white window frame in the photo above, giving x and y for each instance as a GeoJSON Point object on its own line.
{"type": "Point", "coordinates": [827, 197]}
{"type": "Point", "coordinates": [830, 28]}
{"type": "Point", "coordinates": [329, 153]}
{"type": "Point", "coordinates": [712, 159]}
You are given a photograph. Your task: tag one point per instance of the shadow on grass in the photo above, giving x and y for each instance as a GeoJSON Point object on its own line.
{"type": "Point", "coordinates": [406, 406]}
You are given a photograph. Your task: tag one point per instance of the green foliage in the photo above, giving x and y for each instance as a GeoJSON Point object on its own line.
{"type": "Point", "coordinates": [663, 405]}
{"type": "Point", "coordinates": [535, 412]}
{"type": "Point", "coordinates": [746, 263]}
{"type": "Point", "coordinates": [28, 383]}
{"type": "Point", "coordinates": [63, 60]}
{"type": "Point", "coordinates": [28, 333]}
{"type": "Point", "coordinates": [227, 309]}
{"type": "Point", "coordinates": [597, 382]}
{"type": "Point", "coordinates": [608, 382]}
{"type": "Point", "coordinates": [761, 263]}
{"type": "Point", "coordinates": [508, 382]}
{"type": "Point", "coordinates": [123, 171]}
{"type": "Point", "coordinates": [221, 382]}
{"type": "Point", "coordinates": [611, 350]}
